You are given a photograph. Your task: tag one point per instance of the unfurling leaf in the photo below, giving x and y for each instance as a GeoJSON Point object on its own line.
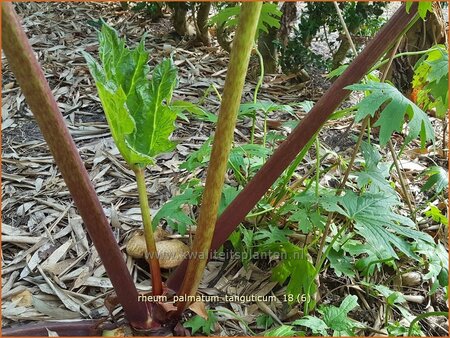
{"type": "Point", "coordinates": [137, 109]}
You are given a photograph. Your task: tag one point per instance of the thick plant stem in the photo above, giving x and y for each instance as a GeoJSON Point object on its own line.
{"type": "Point", "coordinates": [234, 84]}
{"type": "Point", "coordinates": [29, 75]}
{"type": "Point", "coordinates": [152, 254]}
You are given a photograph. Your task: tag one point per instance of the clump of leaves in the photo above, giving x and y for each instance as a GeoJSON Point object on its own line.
{"type": "Point", "coordinates": [375, 173]}
{"type": "Point", "coordinates": [374, 219]}
{"type": "Point", "coordinates": [436, 215]}
{"type": "Point", "coordinates": [333, 318]}
{"type": "Point", "coordinates": [175, 213]}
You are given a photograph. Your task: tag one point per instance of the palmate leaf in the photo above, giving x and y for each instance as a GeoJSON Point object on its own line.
{"type": "Point", "coordinates": [206, 326]}
{"type": "Point", "coordinates": [137, 109]}
{"type": "Point", "coordinates": [375, 172]}
{"type": "Point", "coordinates": [336, 317]}
{"type": "Point", "coordinates": [392, 117]}
{"type": "Point", "coordinates": [269, 17]}
{"type": "Point", "coordinates": [375, 221]}
{"type": "Point", "coordinates": [296, 267]}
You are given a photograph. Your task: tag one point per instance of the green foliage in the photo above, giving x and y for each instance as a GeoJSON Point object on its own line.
{"type": "Point", "coordinates": [174, 214]}
{"type": "Point", "coordinates": [264, 321]}
{"type": "Point", "coordinates": [317, 325]}
{"type": "Point", "coordinates": [305, 211]}
{"type": "Point", "coordinates": [375, 173]}
{"type": "Point", "coordinates": [437, 178]}
{"type": "Point", "coordinates": [334, 318]}
{"type": "Point", "coordinates": [296, 56]}
{"type": "Point", "coordinates": [375, 221]}
{"type": "Point", "coordinates": [431, 80]}
{"type": "Point", "coordinates": [341, 263]}
{"type": "Point", "coordinates": [172, 211]}
{"type": "Point", "coordinates": [399, 330]}
{"type": "Point", "coordinates": [198, 112]}
{"type": "Point", "coordinates": [273, 235]}
{"type": "Point", "coordinates": [361, 18]}
{"type": "Point", "coordinates": [392, 116]}
{"type": "Point", "coordinates": [249, 109]}
{"type": "Point", "coordinates": [244, 160]}
{"type": "Point", "coordinates": [229, 16]}
{"type": "Point", "coordinates": [243, 242]}
{"type": "Point", "coordinates": [424, 7]}
{"type": "Point", "coordinates": [296, 267]}
{"type": "Point", "coordinates": [137, 109]}
{"type": "Point", "coordinates": [392, 297]}
{"type": "Point", "coordinates": [199, 324]}
{"type": "Point", "coordinates": [436, 215]}
{"type": "Point", "coordinates": [437, 264]}
{"type": "Point", "coordinates": [281, 331]}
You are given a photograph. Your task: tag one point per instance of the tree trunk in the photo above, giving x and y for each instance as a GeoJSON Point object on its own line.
{"type": "Point", "coordinates": [422, 35]}
{"type": "Point", "coordinates": [341, 52]}
{"type": "Point", "coordinates": [202, 23]}
{"type": "Point", "coordinates": [268, 50]}
{"type": "Point", "coordinates": [179, 17]}
{"type": "Point", "coordinates": [289, 10]}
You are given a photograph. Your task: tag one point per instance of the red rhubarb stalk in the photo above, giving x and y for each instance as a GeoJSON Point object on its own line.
{"type": "Point", "coordinates": [39, 97]}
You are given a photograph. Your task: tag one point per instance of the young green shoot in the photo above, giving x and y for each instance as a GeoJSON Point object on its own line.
{"type": "Point", "coordinates": [139, 115]}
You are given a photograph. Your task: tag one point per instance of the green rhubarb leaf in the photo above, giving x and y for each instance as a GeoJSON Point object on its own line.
{"type": "Point", "coordinates": [173, 212]}
{"type": "Point", "coordinates": [273, 235]}
{"type": "Point", "coordinates": [137, 109]}
{"type": "Point", "coordinates": [249, 109]}
{"type": "Point", "coordinates": [374, 219]}
{"type": "Point", "coordinates": [392, 116]}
